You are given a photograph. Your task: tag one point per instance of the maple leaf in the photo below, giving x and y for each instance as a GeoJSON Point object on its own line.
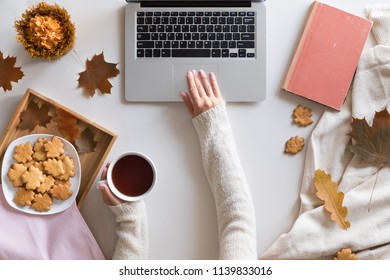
{"type": "Point", "coordinates": [67, 125]}
{"type": "Point", "coordinates": [302, 116]}
{"type": "Point", "coordinates": [345, 254]}
{"type": "Point", "coordinates": [35, 116]}
{"type": "Point", "coordinates": [333, 200]}
{"type": "Point", "coordinates": [96, 75]}
{"type": "Point", "coordinates": [372, 142]}
{"type": "Point", "coordinates": [8, 72]}
{"type": "Point", "coordinates": [86, 143]}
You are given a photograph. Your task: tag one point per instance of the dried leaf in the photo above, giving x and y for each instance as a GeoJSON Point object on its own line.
{"type": "Point", "coordinates": [327, 191]}
{"type": "Point", "coordinates": [345, 254]}
{"type": "Point", "coordinates": [86, 143]}
{"type": "Point", "coordinates": [372, 142]}
{"type": "Point", "coordinates": [302, 116]}
{"type": "Point", "coordinates": [96, 75]}
{"type": "Point", "coordinates": [294, 145]}
{"type": "Point", "coordinates": [67, 125]}
{"type": "Point", "coordinates": [8, 72]}
{"type": "Point", "coordinates": [35, 116]}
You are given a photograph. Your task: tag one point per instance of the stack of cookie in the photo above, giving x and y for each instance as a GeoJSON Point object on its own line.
{"type": "Point", "coordinates": [41, 173]}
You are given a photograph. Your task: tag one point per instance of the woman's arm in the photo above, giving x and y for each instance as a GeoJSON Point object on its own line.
{"type": "Point", "coordinates": [233, 200]}
{"type": "Point", "coordinates": [132, 229]}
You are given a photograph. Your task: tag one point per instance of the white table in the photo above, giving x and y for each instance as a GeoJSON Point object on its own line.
{"type": "Point", "coordinates": [182, 216]}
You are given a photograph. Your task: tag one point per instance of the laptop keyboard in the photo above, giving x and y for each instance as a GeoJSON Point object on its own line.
{"type": "Point", "coordinates": [196, 34]}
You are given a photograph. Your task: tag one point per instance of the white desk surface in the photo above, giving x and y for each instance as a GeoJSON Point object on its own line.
{"type": "Point", "coordinates": [181, 211]}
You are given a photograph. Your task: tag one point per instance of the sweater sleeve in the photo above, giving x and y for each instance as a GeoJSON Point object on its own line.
{"type": "Point", "coordinates": [132, 231]}
{"type": "Point", "coordinates": [234, 205]}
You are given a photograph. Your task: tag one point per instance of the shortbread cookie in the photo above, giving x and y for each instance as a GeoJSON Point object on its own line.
{"type": "Point", "coordinates": [39, 150]}
{"type": "Point", "coordinates": [29, 163]}
{"type": "Point", "coordinates": [68, 165]}
{"type": "Point", "coordinates": [54, 147]}
{"type": "Point", "coordinates": [42, 173]}
{"type": "Point", "coordinates": [47, 184]}
{"type": "Point", "coordinates": [61, 191]}
{"type": "Point", "coordinates": [39, 165]}
{"type": "Point", "coordinates": [15, 174]}
{"type": "Point", "coordinates": [42, 202]}
{"type": "Point", "coordinates": [32, 178]}
{"type": "Point", "coordinates": [62, 182]}
{"type": "Point", "coordinates": [24, 197]}
{"type": "Point", "coordinates": [54, 167]}
{"type": "Point", "coordinates": [23, 152]}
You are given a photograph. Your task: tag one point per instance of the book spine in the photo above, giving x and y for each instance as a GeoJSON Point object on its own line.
{"type": "Point", "coordinates": [291, 72]}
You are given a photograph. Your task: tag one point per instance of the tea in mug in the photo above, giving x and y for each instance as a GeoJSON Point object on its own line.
{"type": "Point", "coordinates": [132, 175]}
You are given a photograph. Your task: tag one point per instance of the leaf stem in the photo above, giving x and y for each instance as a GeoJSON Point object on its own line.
{"type": "Point", "coordinates": [372, 192]}
{"type": "Point", "coordinates": [81, 62]}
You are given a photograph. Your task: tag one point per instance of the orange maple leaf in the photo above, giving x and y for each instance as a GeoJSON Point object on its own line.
{"type": "Point", "coordinates": [67, 125]}
{"type": "Point", "coordinates": [35, 116]}
{"type": "Point", "coordinates": [372, 142]}
{"type": "Point", "coordinates": [8, 72]}
{"type": "Point", "coordinates": [333, 200]}
{"type": "Point", "coordinates": [96, 75]}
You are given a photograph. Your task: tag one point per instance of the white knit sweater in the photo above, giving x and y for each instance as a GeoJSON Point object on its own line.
{"type": "Point", "coordinates": [233, 200]}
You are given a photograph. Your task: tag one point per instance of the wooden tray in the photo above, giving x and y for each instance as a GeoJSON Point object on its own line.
{"type": "Point", "coordinates": [92, 141]}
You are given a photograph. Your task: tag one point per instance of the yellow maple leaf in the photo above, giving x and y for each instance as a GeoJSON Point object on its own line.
{"type": "Point", "coordinates": [327, 191]}
{"type": "Point", "coordinates": [345, 254]}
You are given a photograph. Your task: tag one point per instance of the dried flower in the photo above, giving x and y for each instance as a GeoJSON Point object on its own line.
{"type": "Point", "coordinates": [46, 31]}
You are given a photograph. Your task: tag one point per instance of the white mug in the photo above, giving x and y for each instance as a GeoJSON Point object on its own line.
{"type": "Point", "coordinates": [131, 176]}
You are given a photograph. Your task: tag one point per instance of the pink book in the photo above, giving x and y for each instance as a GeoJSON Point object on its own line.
{"type": "Point", "coordinates": [327, 55]}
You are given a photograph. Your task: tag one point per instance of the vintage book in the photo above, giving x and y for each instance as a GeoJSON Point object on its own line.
{"type": "Point", "coordinates": [326, 58]}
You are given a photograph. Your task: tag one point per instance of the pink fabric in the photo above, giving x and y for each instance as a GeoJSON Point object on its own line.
{"type": "Point", "coordinates": [61, 236]}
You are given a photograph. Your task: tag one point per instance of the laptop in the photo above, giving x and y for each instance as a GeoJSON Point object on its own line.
{"type": "Point", "coordinates": [166, 39]}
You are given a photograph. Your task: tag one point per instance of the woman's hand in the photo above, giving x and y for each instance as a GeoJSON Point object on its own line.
{"type": "Point", "coordinates": [204, 92]}
{"type": "Point", "coordinates": [108, 197]}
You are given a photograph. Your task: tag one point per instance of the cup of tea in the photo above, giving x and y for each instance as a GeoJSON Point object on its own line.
{"type": "Point", "coordinates": [131, 176]}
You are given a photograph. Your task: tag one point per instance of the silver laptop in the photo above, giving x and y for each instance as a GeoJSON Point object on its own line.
{"type": "Point", "coordinates": [166, 39]}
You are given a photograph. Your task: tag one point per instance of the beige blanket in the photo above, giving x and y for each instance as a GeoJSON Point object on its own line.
{"type": "Point", "coordinates": [314, 235]}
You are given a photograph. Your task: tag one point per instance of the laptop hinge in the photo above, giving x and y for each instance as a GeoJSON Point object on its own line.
{"type": "Point", "coordinates": [196, 4]}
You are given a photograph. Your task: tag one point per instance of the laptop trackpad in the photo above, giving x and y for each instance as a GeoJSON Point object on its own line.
{"type": "Point", "coordinates": [180, 75]}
